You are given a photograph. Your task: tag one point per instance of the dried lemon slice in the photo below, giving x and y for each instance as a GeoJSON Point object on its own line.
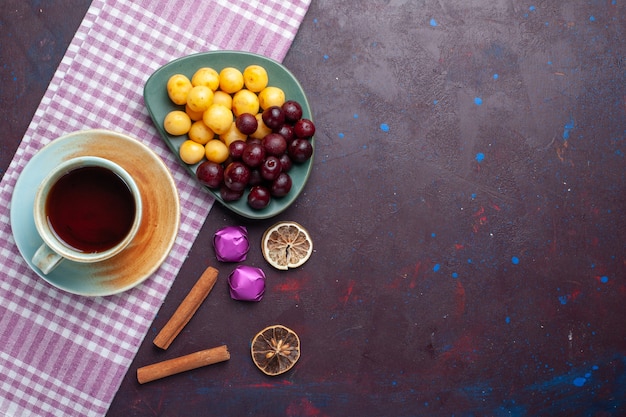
{"type": "Point", "coordinates": [286, 245]}
{"type": "Point", "coordinates": [275, 349]}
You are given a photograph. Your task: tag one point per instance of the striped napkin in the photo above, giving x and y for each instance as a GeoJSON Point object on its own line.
{"type": "Point", "coordinates": [66, 355]}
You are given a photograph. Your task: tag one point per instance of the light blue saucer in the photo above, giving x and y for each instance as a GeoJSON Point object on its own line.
{"type": "Point", "coordinates": [160, 220]}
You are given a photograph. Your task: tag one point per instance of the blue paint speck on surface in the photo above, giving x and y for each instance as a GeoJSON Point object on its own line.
{"type": "Point", "coordinates": [507, 319]}
{"type": "Point", "coordinates": [384, 127]}
{"type": "Point", "coordinates": [437, 267]}
{"type": "Point", "coordinates": [568, 128]}
{"type": "Point", "coordinates": [455, 275]}
{"type": "Point", "coordinates": [473, 196]}
{"type": "Point", "coordinates": [480, 157]}
{"type": "Point", "coordinates": [325, 57]}
{"type": "Point", "coordinates": [592, 18]}
{"type": "Point", "coordinates": [532, 8]}
{"type": "Point", "coordinates": [604, 279]}
{"type": "Point", "coordinates": [580, 381]}
{"type": "Point", "coordinates": [478, 101]}
{"type": "Point", "coordinates": [356, 116]}
{"type": "Point", "coordinates": [496, 76]}
{"type": "Point", "coordinates": [563, 299]}
{"type": "Point", "coordinates": [435, 101]}
{"type": "Point", "coordinates": [341, 135]}
{"type": "Point", "coordinates": [433, 234]}
{"type": "Point", "coordinates": [433, 22]}
{"type": "Point", "coordinates": [515, 260]}
{"type": "Point", "coordinates": [469, 260]}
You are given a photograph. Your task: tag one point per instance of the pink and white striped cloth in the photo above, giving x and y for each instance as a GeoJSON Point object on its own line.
{"type": "Point", "coordinates": [66, 355]}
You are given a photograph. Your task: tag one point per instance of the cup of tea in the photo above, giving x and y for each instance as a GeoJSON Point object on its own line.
{"type": "Point", "coordinates": [87, 210]}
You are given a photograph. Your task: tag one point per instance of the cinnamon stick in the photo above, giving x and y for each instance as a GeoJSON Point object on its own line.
{"type": "Point", "coordinates": [187, 308]}
{"type": "Point", "coordinates": [183, 363]}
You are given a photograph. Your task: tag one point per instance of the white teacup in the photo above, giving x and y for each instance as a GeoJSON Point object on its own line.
{"type": "Point", "coordinates": [87, 210]}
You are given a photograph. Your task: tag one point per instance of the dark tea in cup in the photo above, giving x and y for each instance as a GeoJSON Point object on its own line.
{"type": "Point", "coordinates": [90, 209]}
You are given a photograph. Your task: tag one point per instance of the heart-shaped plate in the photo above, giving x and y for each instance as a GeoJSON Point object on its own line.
{"type": "Point", "coordinates": [159, 105]}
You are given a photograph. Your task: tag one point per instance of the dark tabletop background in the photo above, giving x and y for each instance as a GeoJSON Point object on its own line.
{"type": "Point", "coordinates": [466, 204]}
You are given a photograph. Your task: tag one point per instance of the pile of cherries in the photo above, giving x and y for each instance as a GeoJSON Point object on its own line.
{"type": "Point", "coordinates": [262, 164]}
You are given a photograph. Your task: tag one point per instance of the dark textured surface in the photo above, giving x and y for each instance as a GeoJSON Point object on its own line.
{"type": "Point", "coordinates": [466, 205]}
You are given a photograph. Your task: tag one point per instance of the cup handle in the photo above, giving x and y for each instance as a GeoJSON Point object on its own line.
{"type": "Point", "coordinates": [46, 259]}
